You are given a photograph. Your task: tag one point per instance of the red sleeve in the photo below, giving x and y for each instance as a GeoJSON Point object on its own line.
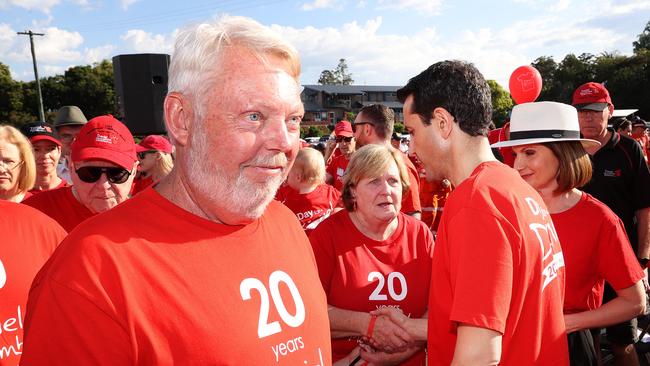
{"type": "Point", "coordinates": [617, 261]}
{"type": "Point", "coordinates": [331, 167]}
{"type": "Point", "coordinates": [480, 300]}
{"type": "Point", "coordinates": [62, 339]}
{"type": "Point", "coordinates": [323, 248]}
{"type": "Point", "coordinates": [411, 201]}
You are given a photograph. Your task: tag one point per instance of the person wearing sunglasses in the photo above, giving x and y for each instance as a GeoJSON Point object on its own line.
{"type": "Point", "coordinates": [47, 151]}
{"type": "Point", "coordinates": [205, 267]}
{"type": "Point", "coordinates": [104, 163]}
{"type": "Point", "coordinates": [155, 157]}
{"type": "Point", "coordinates": [374, 125]}
{"type": "Point", "coordinates": [17, 165]}
{"type": "Point", "coordinates": [346, 144]}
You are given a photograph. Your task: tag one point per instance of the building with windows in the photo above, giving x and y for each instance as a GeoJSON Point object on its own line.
{"type": "Point", "coordinates": [327, 104]}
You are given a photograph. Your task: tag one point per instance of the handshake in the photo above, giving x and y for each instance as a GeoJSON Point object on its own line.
{"type": "Point", "coordinates": [390, 331]}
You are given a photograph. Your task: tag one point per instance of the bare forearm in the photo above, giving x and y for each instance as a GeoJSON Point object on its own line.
{"type": "Point", "coordinates": [643, 229]}
{"type": "Point", "coordinates": [629, 303]}
{"type": "Point", "coordinates": [476, 346]}
{"type": "Point", "coordinates": [347, 323]}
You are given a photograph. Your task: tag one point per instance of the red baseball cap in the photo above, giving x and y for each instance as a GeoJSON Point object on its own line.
{"type": "Point", "coordinates": [39, 131]}
{"type": "Point", "coordinates": [591, 96]}
{"type": "Point", "coordinates": [154, 142]}
{"type": "Point", "coordinates": [343, 128]}
{"type": "Point", "coordinates": [105, 138]}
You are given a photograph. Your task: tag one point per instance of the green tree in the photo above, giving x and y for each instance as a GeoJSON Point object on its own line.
{"type": "Point", "coordinates": [643, 41]}
{"type": "Point", "coordinates": [11, 98]}
{"type": "Point", "coordinates": [338, 76]}
{"type": "Point", "coordinates": [501, 103]}
{"type": "Point", "coordinates": [91, 88]}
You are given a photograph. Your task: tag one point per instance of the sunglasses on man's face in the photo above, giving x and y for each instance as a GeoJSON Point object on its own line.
{"type": "Point", "coordinates": [354, 125]}
{"type": "Point", "coordinates": [342, 138]}
{"type": "Point", "coordinates": [142, 155]}
{"type": "Point", "coordinates": [91, 174]}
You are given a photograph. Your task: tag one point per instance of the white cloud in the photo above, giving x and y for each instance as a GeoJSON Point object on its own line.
{"type": "Point", "coordinates": [41, 5]}
{"type": "Point", "coordinates": [126, 3]}
{"type": "Point", "coordinates": [431, 7]}
{"type": "Point", "coordinates": [139, 41]}
{"type": "Point", "coordinates": [377, 58]}
{"type": "Point", "coordinates": [97, 54]}
{"type": "Point", "coordinates": [320, 4]}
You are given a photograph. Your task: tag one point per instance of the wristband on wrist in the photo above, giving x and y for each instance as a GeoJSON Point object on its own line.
{"type": "Point", "coordinates": [371, 326]}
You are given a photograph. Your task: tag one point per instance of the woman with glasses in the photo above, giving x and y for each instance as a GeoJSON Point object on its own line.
{"type": "Point", "coordinates": [371, 256]}
{"type": "Point", "coordinates": [551, 157]}
{"type": "Point", "coordinates": [154, 155]}
{"type": "Point", "coordinates": [17, 167]}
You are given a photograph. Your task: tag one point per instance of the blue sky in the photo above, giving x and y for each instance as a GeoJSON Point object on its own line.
{"type": "Point", "coordinates": [385, 42]}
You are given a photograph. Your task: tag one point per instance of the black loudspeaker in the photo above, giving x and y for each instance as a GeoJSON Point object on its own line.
{"type": "Point", "coordinates": [141, 86]}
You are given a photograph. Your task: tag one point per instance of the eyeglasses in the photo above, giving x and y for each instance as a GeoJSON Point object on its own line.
{"type": "Point", "coordinates": [10, 164]}
{"type": "Point", "coordinates": [342, 138]}
{"type": "Point", "coordinates": [354, 125]}
{"type": "Point", "coordinates": [142, 155]}
{"type": "Point", "coordinates": [91, 174]}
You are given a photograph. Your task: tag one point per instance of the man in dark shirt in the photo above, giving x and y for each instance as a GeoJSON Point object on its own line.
{"type": "Point", "coordinates": [620, 180]}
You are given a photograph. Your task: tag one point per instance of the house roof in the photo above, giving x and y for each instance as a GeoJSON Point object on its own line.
{"type": "Point", "coordinates": [352, 89]}
{"type": "Point", "coordinates": [392, 105]}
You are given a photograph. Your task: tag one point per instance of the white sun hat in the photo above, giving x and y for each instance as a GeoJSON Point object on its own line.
{"type": "Point", "coordinates": [542, 122]}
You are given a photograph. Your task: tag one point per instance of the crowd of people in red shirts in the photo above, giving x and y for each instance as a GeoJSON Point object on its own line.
{"type": "Point", "coordinates": [229, 242]}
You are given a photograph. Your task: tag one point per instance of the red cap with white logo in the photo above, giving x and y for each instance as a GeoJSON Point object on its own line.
{"type": "Point", "coordinates": [105, 138]}
{"type": "Point", "coordinates": [591, 96]}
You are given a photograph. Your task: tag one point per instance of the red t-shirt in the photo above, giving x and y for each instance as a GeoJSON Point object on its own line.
{"type": "Point", "coordinates": [139, 184]}
{"type": "Point", "coordinates": [411, 200]}
{"type": "Point", "coordinates": [313, 207]}
{"type": "Point", "coordinates": [63, 183]}
{"type": "Point", "coordinates": [498, 265]}
{"type": "Point", "coordinates": [362, 274]}
{"type": "Point", "coordinates": [498, 135]}
{"type": "Point", "coordinates": [61, 205]}
{"type": "Point", "coordinates": [28, 239]}
{"type": "Point", "coordinates": [176, 289]}
{"type": "Point", "coordinates": [595, 249]}
{"type": "Point", "coordinates": [336, 168]}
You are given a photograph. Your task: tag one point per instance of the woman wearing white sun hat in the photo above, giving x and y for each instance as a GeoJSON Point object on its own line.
{"type": "Point", "coordinates": [550, 156]}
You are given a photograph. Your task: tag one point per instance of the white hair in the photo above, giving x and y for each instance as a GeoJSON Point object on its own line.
{"type": "Point", "coordinates": [198, 51]}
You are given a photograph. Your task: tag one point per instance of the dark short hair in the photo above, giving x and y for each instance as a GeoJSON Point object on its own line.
{"type": "Point", "coordinates": [456, 86]}
{"type": "Point", "coordinates": [574, 168]}
{"type": "Point", "coordinates": [623, 123]}
{"type": "Point", "coordinates": [382, 117]}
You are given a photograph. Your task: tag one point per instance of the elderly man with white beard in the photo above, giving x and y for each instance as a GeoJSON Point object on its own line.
{"type": "Point", "coordinates": [204, 268]}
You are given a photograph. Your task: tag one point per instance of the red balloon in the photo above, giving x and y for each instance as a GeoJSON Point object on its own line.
{"type": "Point", "coordinates": [525, 84]}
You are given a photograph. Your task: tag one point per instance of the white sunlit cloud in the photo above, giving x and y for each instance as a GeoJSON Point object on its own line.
{"type": "Point", "coordinates": [40, 5]}
{"type": "Point", "coordinates": [376, 58]}
{"type": "Point", "coordinates": [125, 4]}
{"type": "Point", "coordinates": [320, 4]}
{"type": "Point", "coordinates": [430, 7]}
{"type": "Point", "coordinates": [139, 41]}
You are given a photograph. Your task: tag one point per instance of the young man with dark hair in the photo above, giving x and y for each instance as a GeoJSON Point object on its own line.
{"type": "Point", "coordinates": [497, 281]}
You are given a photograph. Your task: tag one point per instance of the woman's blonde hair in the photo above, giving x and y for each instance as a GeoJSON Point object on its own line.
{"type": "Point", "coordinates": [163, 165]}
{"type": "Point", "coordinates": [27, 176]}
{"type": "Point", "coordinates": [311, 165]}
{"type": "Point", "coordinates": [371, 161]}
